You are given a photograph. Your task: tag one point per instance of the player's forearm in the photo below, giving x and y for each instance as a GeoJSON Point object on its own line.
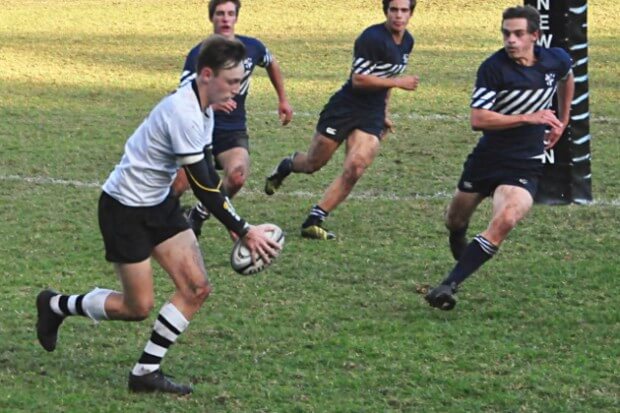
{"type": "Point", "coordinates": [206, 185]}
{"type": "Point", "coordinates": [482, 119]}
{"type": "Point", "coordinates": [277, 80]}
{"type": "Point", "coordinates": [566, 93]}
{"type": "Point", "coordinates": [372, 83]}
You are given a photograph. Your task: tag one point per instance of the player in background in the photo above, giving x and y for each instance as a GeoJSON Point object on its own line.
{"type": "Point", "coordinates": [511, 105]}
{"type": "Point", "coordinates": [140, 219]}
{"type": "Point", "coordinates": [357, 114]}
{"type": "Point", "coordinates": [230, 135]}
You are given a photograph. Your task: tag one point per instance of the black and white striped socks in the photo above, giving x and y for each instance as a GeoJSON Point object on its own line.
{"type": "Point", "coordinates": [169, 325]}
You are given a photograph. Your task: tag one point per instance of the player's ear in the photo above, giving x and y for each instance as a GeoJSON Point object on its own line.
{"type": "Point", "coordinates": [206, 73]}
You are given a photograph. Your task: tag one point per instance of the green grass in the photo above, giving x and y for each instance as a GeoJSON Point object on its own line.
{"type": "Point", "coordinates": [336, 327]}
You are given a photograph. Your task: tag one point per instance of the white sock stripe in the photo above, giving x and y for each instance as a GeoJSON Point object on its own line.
{"type": "Point", "coordinates": [93, 303]}
{"type": "Point", "coordinates": [174, 317]}
{"type": "Point", "coordinates": [486, 245]}
{"type": "Point", "coordinates": [54, 304]}
{"type": "Point", "coordinates": [71, 304]}
{"type": "Point", "coordinates": [164, 331]}
{"type": "Point", "coordinates": [155, 350]}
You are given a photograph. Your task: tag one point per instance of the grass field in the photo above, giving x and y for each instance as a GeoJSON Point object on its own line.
{"type": "Point", "coordinates": [336, 327]}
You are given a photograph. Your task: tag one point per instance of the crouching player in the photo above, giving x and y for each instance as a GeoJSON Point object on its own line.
{"type": "Point", "coordinates": [139, 219]}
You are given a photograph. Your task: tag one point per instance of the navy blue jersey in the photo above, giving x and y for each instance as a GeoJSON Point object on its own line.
{"type": "Point", "coordinates": [505, 87]}
{"type": "Point", "coordinates": [375, 53]}
{"type": "Point", "coordinates": [255, 54]}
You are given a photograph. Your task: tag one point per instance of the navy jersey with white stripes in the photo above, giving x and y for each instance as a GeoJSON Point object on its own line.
{"type": "Point", "coordinates": [505, 87]}
{"type": "Point", "coordinates": [375, 53]}
{"type": "Point", "coordinates": [255, 54]}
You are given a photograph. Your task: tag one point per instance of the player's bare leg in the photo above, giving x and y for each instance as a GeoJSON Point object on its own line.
{"type": "Point", "coordinates": [319, 153]}
{"type": "Point", "coordinates": [236, 165]}
{"type": "Point", "coordinates": [510, 205]}
{"type": "Point", "coordinates": [457, 216]}
{"type": "Point", "coordinates": [181, 258]}
{"type": "Point", "coordinates": [134, 304]}
{"type": "Point", "coordinates": [361, 150]}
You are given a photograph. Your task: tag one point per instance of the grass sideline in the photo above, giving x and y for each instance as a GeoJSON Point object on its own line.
{"type": "Point", "coordinates": [329, 328]}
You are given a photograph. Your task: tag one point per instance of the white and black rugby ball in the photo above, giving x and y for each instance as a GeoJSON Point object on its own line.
{"type": "Point", "coordinates": [240, 258]}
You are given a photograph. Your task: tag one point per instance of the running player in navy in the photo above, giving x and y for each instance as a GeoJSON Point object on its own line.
{"type": "Point", "coordinates": [140, 219]}
{"type": "Point", "coordinates": [511, 106]}
{"type": "Point", "coordinates": [357, 114]}
{"type": "Point", "coordinates": [230, 136]}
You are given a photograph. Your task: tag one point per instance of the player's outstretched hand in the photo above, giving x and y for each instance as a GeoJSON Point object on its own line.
{"type": "Point", "coordinates": [259, 243]}
{"type": "Point", "coordinates": [545, 117]}
{"type": "Point", "coordinates": [408, 82]}
{"type": "Point", "coordinates": [285, 112]}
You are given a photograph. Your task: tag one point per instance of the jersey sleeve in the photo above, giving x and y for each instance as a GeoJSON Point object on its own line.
{"type": "Point", "coordinates": [188, 139]}
{"type": "Point", "coordinates": [264, 56]}
{"type": "Point", "coordinates": [565, 63]}
{"type": "Point", "coordinates": [368, 53]}
{"type": "Point", "coordinates": [486, 88]}
{"type": "Point", "coordinates": [189, 68]}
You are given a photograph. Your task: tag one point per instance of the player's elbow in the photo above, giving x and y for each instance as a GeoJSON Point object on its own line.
{"type": "Point", "coordinates": [357, 81]}
{"type": "Point", "coordinates": [476, 121]}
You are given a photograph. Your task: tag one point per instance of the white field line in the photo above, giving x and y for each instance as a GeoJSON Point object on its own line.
{"type": "Point", "coordinates": [416, 116]}
{"type": "Point", "coordinates": [363, 195]}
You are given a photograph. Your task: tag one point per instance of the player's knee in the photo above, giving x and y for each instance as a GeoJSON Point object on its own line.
{"type": "Point", "coordinates": [453, 221]}
{"type": "Point", "coordinates": [140, 310]}
{"type": "Point", "coordinates": [314, 165]}
{"type": "Point", "coordinates": [506, 221]}
{"type": "Point", "coordinates": [197, 293]}
{"type": "Point", "coordinates": [236, 179]}
{"type": "Point", "coordinates": [354, 171]}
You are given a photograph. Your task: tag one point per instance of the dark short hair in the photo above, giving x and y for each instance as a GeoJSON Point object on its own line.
{"type": "Point", "coordinates": [219, 53]}
{"type": "Point", "coordinates": [386, 5]}
{"type": "Point", "coordinates": [214, 3]}
{"type": "Point", "coordinates": [528, 13]}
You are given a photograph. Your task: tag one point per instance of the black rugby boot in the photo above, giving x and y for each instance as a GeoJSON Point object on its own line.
{"type": "Point", "coordinates": [156, 381]}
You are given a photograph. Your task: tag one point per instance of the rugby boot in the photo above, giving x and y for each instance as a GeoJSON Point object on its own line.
{"type": "Point", "coordinates": [196, 216]}
{"type": "Point", "coordinates": [316, 231]}
{"type": "Point", "coordinates": [48, 321]}
{"type": "Point", "coordinates": [274, 181]}
{"type": "Point", "coordinates": [442, 297]}
{"type": "Point", "coordinates": [156, 381]}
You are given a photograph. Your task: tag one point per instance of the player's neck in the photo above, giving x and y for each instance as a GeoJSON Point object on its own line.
{"type": "Point", "coordinates": [201, 88]}
{"type": "Point", "coordinates": [230, 36]}
{"type": "Point", "coordinates": [397, 36]}
{"type": "Point", "coordinates": [528, 59]}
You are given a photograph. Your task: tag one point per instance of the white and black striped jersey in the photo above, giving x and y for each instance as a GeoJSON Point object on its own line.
{"type": "Point", "coordinates": [506, 87]}
{"type": "Point", "coordinates": [256, 54]}
{"type": "Point", "coordinates": [375, 53]}
{"type": "Point", "coordinates": [175, 131]}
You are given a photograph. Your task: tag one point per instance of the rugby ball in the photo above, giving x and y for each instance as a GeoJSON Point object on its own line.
{"type": "Point", "coordinates": [240, 258]}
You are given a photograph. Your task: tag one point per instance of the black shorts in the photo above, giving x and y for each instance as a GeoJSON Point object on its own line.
{"type": "Point", "coordinates": [482, 174]}
{"type": "Point", "coordinates": [338, 119]}
{"type": "Point", "coordinates": [131, 233]}
{"type": "Point", "coordinates": [224, 140]}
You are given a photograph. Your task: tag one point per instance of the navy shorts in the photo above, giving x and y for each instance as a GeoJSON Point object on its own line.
{"type": "Point", "coordinates": [131, 233]}
{"type": "Point", "coordinates": [224, 140]}
{"type": "Point", "coordinates": [482, 174]}
{"type": "Point", "coordinates": [338, 119]}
